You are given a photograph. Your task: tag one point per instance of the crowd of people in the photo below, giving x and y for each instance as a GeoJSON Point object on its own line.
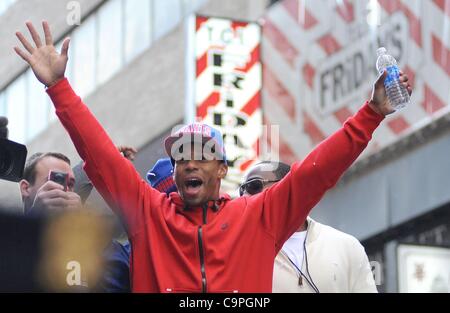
{"type": "Point", "coordinates": [183, 234]}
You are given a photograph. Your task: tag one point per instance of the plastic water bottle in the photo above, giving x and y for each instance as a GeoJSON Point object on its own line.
{"type": "Point", "coordinates": [396, 92]}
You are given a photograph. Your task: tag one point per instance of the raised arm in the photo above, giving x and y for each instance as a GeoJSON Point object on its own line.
{"type": "Point", "coordinates": [47, 64]}
{"type": "Point", "coordinates": [288, 203]}
{"type": "Point", "coordinates": [112, 175]}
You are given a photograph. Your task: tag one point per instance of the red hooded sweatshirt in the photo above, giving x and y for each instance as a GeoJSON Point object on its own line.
{"type": "Point", "coordinates": [226, 247]}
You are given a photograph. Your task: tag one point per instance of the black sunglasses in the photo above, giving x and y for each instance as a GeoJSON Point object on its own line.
{"type": "Point", "coordinates": [254, 186]}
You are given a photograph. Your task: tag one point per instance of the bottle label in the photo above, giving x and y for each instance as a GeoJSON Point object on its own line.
{"type": "Point", "coordinates": [393, 75]}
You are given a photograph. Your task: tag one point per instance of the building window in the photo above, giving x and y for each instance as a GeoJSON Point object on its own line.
{"type": "Point", "coordinates": [167, 16]}
{"type": "Point", "coordinates": [38, 106]}
{"type": "Point", "coordinates": [16, 109]}
{"type": "Point", "coordinates": [5, 4]}
{"type": "Point", "coordinates": [110, 43]}
{"type": "Point", "coordinates": [83, 59]}
{"type": "Point", "coordinates": [138, 27]}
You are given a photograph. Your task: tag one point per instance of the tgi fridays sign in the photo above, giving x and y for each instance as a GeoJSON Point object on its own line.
{"type": "Point", "coordinates": [319, 66]}
{"type": "Point", "coordinates": [228, 84]}
{"type": "Point", "coordinates": [347, 74]}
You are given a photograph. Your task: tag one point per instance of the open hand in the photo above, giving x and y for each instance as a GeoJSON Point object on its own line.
{"type": "Point", "coordinates": [47, 64]}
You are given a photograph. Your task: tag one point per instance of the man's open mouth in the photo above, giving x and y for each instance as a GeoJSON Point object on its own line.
{"type": "Point", "coordinates": [193, 184]}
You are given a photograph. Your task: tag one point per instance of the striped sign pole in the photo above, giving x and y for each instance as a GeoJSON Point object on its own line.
{"type": "Point", "coordinates": [228, 84]}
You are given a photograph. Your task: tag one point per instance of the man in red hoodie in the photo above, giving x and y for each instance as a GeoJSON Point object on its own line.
{"type": "Point", "coordinates": [197, 240]}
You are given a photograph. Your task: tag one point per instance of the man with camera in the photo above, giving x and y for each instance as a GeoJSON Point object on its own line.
{"type": "Point", "coordinates": [48, 181]}
{"type": "Point", "coordinates": [48, 184]}
{"type": "Point", "coordinates": [46, 187]}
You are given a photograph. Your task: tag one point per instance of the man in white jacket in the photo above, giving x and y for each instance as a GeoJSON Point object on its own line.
{"type": "Point", "coordinates": [317, 258]}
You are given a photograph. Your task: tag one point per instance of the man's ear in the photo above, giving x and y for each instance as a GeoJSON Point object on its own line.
{"type": "Point", "coordinates": [24, 188]}
{"type": "Point", "coordinates": [223, 170]}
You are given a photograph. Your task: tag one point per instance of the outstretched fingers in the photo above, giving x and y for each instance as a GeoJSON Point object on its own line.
{"type": "Point", "coordinates": [34, 34]}
{"type": "Point", "coordinates": [25, 56]}
{"type": "Point", "coordinates": [26, 44]}
{"type": "Point", "coordinates": [47, 33]}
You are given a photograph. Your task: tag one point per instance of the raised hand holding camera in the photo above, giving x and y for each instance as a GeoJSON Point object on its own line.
{"type": "Point", "coordinates": [52, 197]}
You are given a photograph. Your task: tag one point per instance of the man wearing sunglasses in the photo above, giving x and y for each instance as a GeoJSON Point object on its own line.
{"type": "Point", "coordinates": [316, 258]}
{"type": "Point", "coordinates": [197, 240]}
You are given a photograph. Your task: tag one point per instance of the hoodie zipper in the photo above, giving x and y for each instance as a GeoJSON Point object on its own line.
{"type": "Point", "coordinates": [202, 254]}
{"type": "Point", "coordinates": [202, 258]}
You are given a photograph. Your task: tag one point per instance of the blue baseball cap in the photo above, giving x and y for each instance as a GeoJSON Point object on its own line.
{"type": "Point", "coordinates": [160, 176]}
{"type": "Point", "coordinates": [209, 138]}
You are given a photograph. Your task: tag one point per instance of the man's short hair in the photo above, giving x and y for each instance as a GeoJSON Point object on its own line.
{"type": "Point", "coordinates": [29, 173]}
{"type": "Point", "coordinates": [280, 169]}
